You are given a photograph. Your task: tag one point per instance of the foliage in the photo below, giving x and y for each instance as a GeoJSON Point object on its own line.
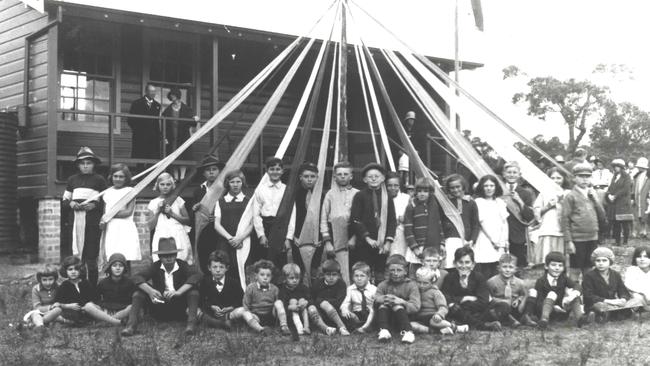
{"type": "Point", "coordinates": [552, 147]}
{"type": "Point", "coordinates": [623, 131]}
{"type": "Point", "coordinates": [485, 150]}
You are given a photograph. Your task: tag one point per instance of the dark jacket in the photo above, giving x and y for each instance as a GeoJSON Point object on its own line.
{"type": "Point", "coordinates": [299, 292]}
{"type": "Point", "coordinates": [362, 216]}
{"type": "Point", "coordinates": [621, 189]}
{"type": "Point", "coordinates": [145, 141]}
{"type": "Point", "coordinates": [334, 294]}
{"type": "Point", "coordinates": [115, 295]}
{"type": "Point", "coordinates": [517, 230]}
{"type": "Point", "coordinates": [595, 289]}
{"type": "Point", "coordinates": [543, 287]}
{"type": "Point", "coordinates": [422, 226]}
{"type": "Point", "coordinates": [155, 274]}
{"type": "Point", "coordinates": [68, 294]}
{"type": "Point", "coordinates": [176, 131]}
{"type": "Point", "coordinates": [476, 286]}
{"type": "Point", "coordinates": [231, 294]}
{"type": "Point", "coordinates": [469, 214]}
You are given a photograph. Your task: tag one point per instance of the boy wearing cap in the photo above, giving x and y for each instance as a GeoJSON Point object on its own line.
{"type": "Point", "coordinates": [603, 289]}
{"type": "Point", "coordinates": [207, 243]}
{"type": "Point", "coordinates": [581, 215]}
{"type": "Point", "coordinates": [335, 215]}
{"type": "Point", "coordinates": [173, 292]}
{"type": "Point", "coordinates": [372, 218]}
{"type": "Point", "coordinates": [83, 220]}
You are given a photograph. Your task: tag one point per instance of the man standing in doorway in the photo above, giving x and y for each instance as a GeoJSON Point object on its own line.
{"type": "Point", "coordinates": [145, 140]}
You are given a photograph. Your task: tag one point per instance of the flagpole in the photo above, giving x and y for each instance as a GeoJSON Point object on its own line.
{"type": "Point", "coordinates": [456, 118]}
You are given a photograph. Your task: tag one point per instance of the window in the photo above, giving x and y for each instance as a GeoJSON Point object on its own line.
{"type": "Point", "coordinates": [171, 61]}
{"type": "Point", "coordinates": [87, 76]}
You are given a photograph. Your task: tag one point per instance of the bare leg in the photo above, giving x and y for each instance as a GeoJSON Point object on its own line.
{"type": "Point", "coordinates": [305, 321]}
{"type": "Point", "coordinates": [52, 315]}
{"type": "Point", "coordinates": [95, 312]}
{"type": "Point", "coordinates": [122, 314]}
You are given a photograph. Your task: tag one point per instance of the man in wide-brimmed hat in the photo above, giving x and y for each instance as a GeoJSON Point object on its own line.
{"type": "Point", "coordinates": [173, 293]}
{"type": "Point", "coordinates": [82, 224]}
{"type": "Point", "coordinates": [210, 167]}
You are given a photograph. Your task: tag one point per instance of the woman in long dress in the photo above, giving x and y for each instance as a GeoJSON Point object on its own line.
{"type": "Point", "coordinates": [169, 220]}
{"type": "Point", "coordinates": [619, 204]}
{"type": "Point", "coordinates": [547, 210]}
{"type": "Point", "coordinates": [492, 240]}
{"type": "Point", "coordinates": [120, 233]}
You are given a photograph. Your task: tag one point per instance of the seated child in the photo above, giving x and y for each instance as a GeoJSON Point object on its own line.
{"type": "Point", "coordinates": [114, 293]}
{"type": "Point", "coordinates": [467, 294]}
{"type": "Point", "coordinates": [259, 306]}
{"type": "Point", "coordinates": [431, 259]}
{"type": "Point", "coordinates": [637, 276]}
{"type": "Point", "coordinates": [75, 293]}
{"type": "Point", "coordinates": [357, 307]}
{"type": "Point", "coordinates": [433, 308]}
{"type": "Point", "coordinates": [328, 294]}
{"type": "Point", "coordinates": [220, 294]}
{"type": "Point", "coordinates": [603, 288]}
{"type": "Point", "coordinates": [397, 298]}
{"type": "Point", "coordinates": [509, 293]}
{"type": "Point", "coordinates": [294, 298]}
{"type": "Point", "coordinates": [555, 294]}
{"type": "Point", "coordinates": [45, 310]}
{"type": "Point", "coordinates": [168, 289]}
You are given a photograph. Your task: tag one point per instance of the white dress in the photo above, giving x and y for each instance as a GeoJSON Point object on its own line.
{"type": "Point", "coordinates": [492, 216]}
{"type": "Point", "coordinates": [121, 234]}
{"type": "Point", "coordinates": [399, 243]}
{"type": "Point", "coordinates": [168, 227]}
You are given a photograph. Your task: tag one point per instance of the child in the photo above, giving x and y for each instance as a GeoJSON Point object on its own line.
{"type": "Point", "coordinates": [85, 218]}
{"type": "Point", "coordinates": [307, 178]}
{"type": "Point", "coordinates": [294, 297]}
{"type": "Point", "coordinates": [603, 288]}
{"type": "Point", "coordinates": [397, 298]}
{"type": "Point", "coordinates": [422, 226]}
{"type": "Point", "coordinates": [456, 187]}
{"type": "Point", "coordinates": [266, 202]}
{"type": "Point", "coordinates": [260, 305]}
{"type": "Point", "coordinates": [431, 260]}
{"type": "Point", "coordinates": [555, 294]}
{"type": "Point", "coordinates": [169, 220]}
{"type": "Point", "coordinates": [467, 294]}
{"type": "Point", "coordinates": [220, 294]}
{"type": "Point", "coordinates": [45, 310]}
{"type": "Point", "coordinates": [372, 218]}
{"type": "Point", "coordinates": [357, 308]}
{"type": "Point", "coordinates": [335, 215]}
{"type": "Point", "coordinates": [400, 201]}
{"type": "Point", "coordinates": [509, 293]}
{"type": "Point", "coordinates": [547, 211]}
{"type": "Point", "coordinates": [492, 240]}
{"type": "Point", "coordinates": [581, 214]}
{"type": "Point", "coordinates": [120, 233]}
{"type": "Point", "coordinates": [75, 293]}
{"type": "Point", "coordinates": [114, 293]}
{"type": "Point", "coordinates": [433, 307]}
{"type": "Point", "coordinates": [328, 294]}
{"type": "Point", "coordinates": [519, 201]}
{"type": "Point", "coordinates": [210, 168]}
{"type": "Point", "coordinates": [637, 277]}
{"type": "Point", "coordinates": [228, 214]}
{"type": "Point", "coordinates": [168, 288]}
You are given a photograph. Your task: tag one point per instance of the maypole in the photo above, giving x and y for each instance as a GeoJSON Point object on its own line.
{"type": "Point", "coordinates": [342, 89]}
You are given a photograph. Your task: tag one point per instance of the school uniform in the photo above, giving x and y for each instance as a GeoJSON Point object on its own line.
{"type": "Point", "coordinates": [224, 293]}
{"type": "Point", "coordinates": [79, 188]}
{"type": "Point", "coordinates": [358, 301]}
{"type": "Point", "coordinates": [230, 209]}
{"type": "Point", "coordinates": [596, 289]}
{"type": "Point", "coordinates": [365, 220]}
{"type": "Point", "coordinates": [473, 313]}
{"type": "Point", "coordinates": [115, 295]}
{"type": "Point", "coordinates": [260, 301]}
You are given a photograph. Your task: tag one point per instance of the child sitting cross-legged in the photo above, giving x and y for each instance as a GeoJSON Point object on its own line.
{"type": "Point", "coordinates": [604, 291]}
{"type": "Point", "coordinates": [467, 294]}
{"type": "Point", "coordinates": [114, 293]}
{"type": "Point", "coordinates": [45, 310]}
{"type": "Point", "coordinates": [328, 294]}
{"type": "Point", "coordinates": [357, 308]}
{"type": "Point", "coordinates": [260, 304]}
{"type": "Point", "coordinates": [294, 298]}
{"type": "Point", "coordinates": [220, 294]}
{"type": "Point", "coordinates": [397, 298]}
{"type": "Point", "coordinates": [555, 295]}
{"type": "Point", "coordinates": [509, 293]}
{"type": "Point", "coordinates": [431, 259]}
{"type": "Point", "coordinates": [433, 307]}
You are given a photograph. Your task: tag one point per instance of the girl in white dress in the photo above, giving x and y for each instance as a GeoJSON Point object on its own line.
{"type": "Point", "coordinates": [492, 240]}
{"type": "Point", "coordinates": [169, 220]}
{"type": "Point", "coordinates": [547, 210]}
{"type": "Point", "coordinates": [120, 233]}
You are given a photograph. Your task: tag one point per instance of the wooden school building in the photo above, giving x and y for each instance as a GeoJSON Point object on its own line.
{"type": "Point", "coordinates": [69, 73]}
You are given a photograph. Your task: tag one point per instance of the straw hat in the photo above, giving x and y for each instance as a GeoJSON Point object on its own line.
{"type": "Point", "coordinates": [618, 162]}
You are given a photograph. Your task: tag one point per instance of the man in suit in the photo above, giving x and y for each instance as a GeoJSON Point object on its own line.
{"type": "Point", "coordinates": [146, 138]}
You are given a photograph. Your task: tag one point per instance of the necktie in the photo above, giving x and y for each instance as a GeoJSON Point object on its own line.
{"type": "Point", "coordinates": [219, 283]}
{"type": "Point", "coordinates": [264, 287]}
{"type": "Point", "coordinates": [364, 302]}
{"type": "Point", "coordinates": [463, 281]}
{"type": "Point", "coordinates": [375, 206]}
{"type": "Point", "coordinates": [508, 292]}
{"type": "Point", "coordinates": [512, 188]}
{"type": "Point", "coordinates": [554, 282]}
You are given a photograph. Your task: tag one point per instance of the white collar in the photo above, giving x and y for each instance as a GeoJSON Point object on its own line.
{"type": "Point", "coordinates": [176, 268]}
{"type": "Point", "coordinates": [275, 185]}
{"type": "Point", "coordinates": [550, 279]}
{"type": "Point", "coordinates": [238, 198]}
{"type": "Point", "coordinates": [205, 185]}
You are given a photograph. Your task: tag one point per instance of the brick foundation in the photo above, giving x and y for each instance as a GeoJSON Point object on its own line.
{"type": "Point", "coordinates": [140, 219]}
{"type": "Point", "coordinates": [49, 230]}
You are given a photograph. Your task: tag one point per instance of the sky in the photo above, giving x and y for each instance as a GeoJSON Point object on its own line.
{"type": "Point", "coordinates": [560, 38]}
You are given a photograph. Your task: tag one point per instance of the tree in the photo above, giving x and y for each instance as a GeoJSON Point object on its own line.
{"type": "Point", "coordinates": [485, 151]}
{"type": "Point", "coordinates": [623, 131]}
{"type": "Point", "coordinates": [552, 146]}
{"type": "Point", "coordinates": [575, 101]}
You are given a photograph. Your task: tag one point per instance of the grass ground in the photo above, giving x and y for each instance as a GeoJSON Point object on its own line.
{"type": "Point", "coordinates": [619, 343]}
